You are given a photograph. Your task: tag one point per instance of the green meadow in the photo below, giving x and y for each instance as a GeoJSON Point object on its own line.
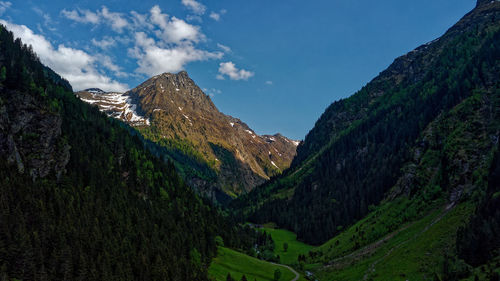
{"type": "Point", "coordinates": [295, 247]}
{"type": "Point", "coordinates": [238, 264]}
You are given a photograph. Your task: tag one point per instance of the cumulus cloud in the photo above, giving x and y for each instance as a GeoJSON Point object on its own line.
{"type": "Point", "coordinates": [153, 59]}
{"type": "Point", "coordinates": [269, 82]}
{"type": "Point", "coordinates": [117, 21]}
{"type": "Point", "coordinates": [194, 6]}
{"type": "Point", "coordinates": [174, 30]}
{"type": "Point", "coordinates": [84, 16]}
{"type": "Point", "coordinates": [108, 63]}
{"type": "Point", "coordinates": [173, 47]}
{"type": "Point", "coordinates": [77, 66]}
{"type": "Point", "coordinates": [140, 21]}
{"type": "Point", "coordinates": [158, 18]}
{"type": "Point", "coordinates": [105, 43]}
{"type": "Point", "coordinates": [225, 48]}
{"type": "Point", "coordinates": [4, 5]}
{"type": "Point", "coordinates": [230, 69]}
{"type": "Point", "coordinates": [215, 16]}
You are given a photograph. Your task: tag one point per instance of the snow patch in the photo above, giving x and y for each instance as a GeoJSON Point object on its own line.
{"type": "Point", "coordinates": [117, 105]}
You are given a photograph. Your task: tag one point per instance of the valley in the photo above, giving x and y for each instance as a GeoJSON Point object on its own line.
{"type": "Point", "coordinates": [399, 181]}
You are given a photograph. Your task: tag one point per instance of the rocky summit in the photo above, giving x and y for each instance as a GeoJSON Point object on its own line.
{"type": "Point", "coordinates": [171, 110]}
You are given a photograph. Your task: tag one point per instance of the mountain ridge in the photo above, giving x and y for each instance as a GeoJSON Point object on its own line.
{"type": "Point", "coordinates": [170, 109]}
{"type": "Point", "coordinates": [336, 175]}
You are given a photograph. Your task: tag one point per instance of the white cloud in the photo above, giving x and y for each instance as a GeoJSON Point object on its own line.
{"type": "Point", "coordinates": [105, 43]}
{"type": "Point", "coordinates": [153, 59]}
{"type": "Point", "coordinates": [215, 16]}
{"type": "Point", "coordinates": [77, 66]}
{"type": "Point", "coordinates": [117, 21]}
{"type": "Point", "coordinates": [108, 63]}
{"type": "Point", "coordinates": [158, 18]}
{"type": "Point", "coordinates": [178, 31]}
{"type": "Point", "coordinates": [140, 21]}
{"type": "Point", "coordinates": [225, 48]}
{"type": "Point", "coordinates": [174, 30]}
{"type": "Point", "coordinates": [173, 47]}
{"type": "Point", "coordinates": [269, 82]}
{"type": "Point", "coordinates": [194, 18]}
{"type": "Point", "coordinates": [84, 16]}
{"type": "Point", "coordinates": [229, 69]}
{"type": "Point", "coordinates": [47, 20]}
{"type": "Point", "coordinates": [194, 6]}
{"type": "Point", "coordinates": [4, 5]}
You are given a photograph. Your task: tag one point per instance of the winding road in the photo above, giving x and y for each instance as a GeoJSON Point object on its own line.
{"type": "Point", "coordinates": [297, 275]}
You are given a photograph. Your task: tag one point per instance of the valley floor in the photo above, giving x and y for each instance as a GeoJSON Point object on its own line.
{"type": "Point", "coordinates": [238, 264]}
{"type": "Point", "coordinates": [416, 250]}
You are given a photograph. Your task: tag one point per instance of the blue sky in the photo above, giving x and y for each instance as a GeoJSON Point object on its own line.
{"type": "Point", "coordinates": [274, 64]}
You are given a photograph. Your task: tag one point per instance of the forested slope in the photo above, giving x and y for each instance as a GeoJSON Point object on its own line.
{"type": "Point", "coordinates": [80, 198]}
{"type": "Point", "coordinates": [424, 128]}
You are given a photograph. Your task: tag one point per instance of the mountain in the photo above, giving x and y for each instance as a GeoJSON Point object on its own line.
{"type": "Point", "coordinates": [416, 141]}
{"type": "Point", "coordinates": [83, 199]}
{"type": "Point", "coordinates": [171, 110]}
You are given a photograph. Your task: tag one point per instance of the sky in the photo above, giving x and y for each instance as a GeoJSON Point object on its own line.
{"type": "Point", "coordinates": [276, 65]}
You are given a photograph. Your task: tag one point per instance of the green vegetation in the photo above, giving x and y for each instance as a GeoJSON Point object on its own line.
{"type": "Point", "coordinates": [395, 172]}
{"type": "Point", "coordinates": [238, 264]}
{"type": "Point", "coordinates": [107, 208]}
{"type": "Point", "coordinates": [415, 249]}
{"type": "Point", "coordinates": [295, 248]}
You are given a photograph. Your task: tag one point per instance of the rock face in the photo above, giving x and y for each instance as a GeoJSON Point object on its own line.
{"type": "Point", "coordinates": [30, 135]}
{"type": "Point", "coordinates": [171, 108]}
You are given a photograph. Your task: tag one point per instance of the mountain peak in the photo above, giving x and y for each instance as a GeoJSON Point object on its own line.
{"type": "Point", "coordinates": [176, 110]}
{"type": "Point", "coordinates": [182, 73]}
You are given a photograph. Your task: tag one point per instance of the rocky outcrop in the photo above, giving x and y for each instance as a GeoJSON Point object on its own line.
{"type": "Point", "coordinates": [30, 135]}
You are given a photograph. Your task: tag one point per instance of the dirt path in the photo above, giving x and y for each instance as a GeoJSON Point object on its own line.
{"type": "Point", "coordinates": [297, 275]}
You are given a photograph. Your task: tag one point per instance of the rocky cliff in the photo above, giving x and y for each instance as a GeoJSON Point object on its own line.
{"type": "Point", "coordinates": [30, 135]}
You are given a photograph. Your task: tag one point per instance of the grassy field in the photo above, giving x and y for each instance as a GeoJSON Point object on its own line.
{"type": "Point", "coordinates": [415, 252]}
{"type": "Point", "coordinates": [238, 264]}
{"type": "Point", "coordinates": [295, 248]}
